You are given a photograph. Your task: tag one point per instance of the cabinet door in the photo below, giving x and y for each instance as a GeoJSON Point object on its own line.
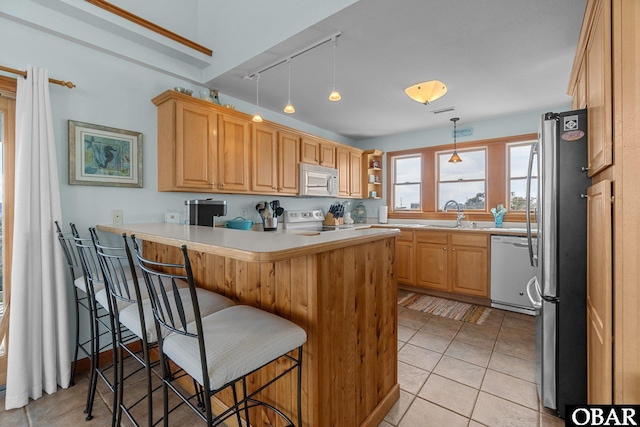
{"type": "Point", "coordinates": [405, 258]}
{"type": "Point", "coordinates": [431, 266]}
{"type": "Point", "coordinates": [598, 62]}
{"type": "Point", "coordinates": [599, 295]}
{"type": "Point", "coordinates": [233, 154]}
{"type": "Point", "coordinates": [355, 172]}
{"type": "Point", "coordinates": [469, 270]}
{"type": "Point", "coordinates": [309, 151]}
{"type": "Point", "coordinates": [195, 147]}
{"type": "Point", "coordinates": [328, 155]}
{"type": "Point", "coordinates": [344, 175]}
{"type": "Point", "coordinates": [288, 152]}
{"type": "Point", "coordinates": [264, 145]}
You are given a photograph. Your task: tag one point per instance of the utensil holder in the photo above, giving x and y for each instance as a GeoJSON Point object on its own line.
{"type": "Point", "coordinates": [330, 220]}
{"type": "Point", "coordinates": [270, 224]}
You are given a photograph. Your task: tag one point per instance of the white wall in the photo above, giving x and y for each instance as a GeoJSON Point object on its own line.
{"type": "Point", "coordinates": [115, 93]}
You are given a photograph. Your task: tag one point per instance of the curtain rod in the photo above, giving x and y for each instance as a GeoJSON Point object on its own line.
{"type": "Point", "coordinates": [70, 85]}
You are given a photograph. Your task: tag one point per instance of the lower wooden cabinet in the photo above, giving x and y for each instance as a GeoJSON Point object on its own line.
{"type": "Point", "coordinates": [450, 262]}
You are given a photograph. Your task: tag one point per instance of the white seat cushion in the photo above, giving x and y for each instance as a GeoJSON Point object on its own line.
{"type": "Point", "coordinates": [238, 340]}
{"type": "Point", "coordinates": [209, 302]}
{"type": "Point", "coordinates": [80, 284]}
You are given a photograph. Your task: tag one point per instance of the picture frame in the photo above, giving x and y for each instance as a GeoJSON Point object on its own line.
{"type": "Point", "coordinates": [104, 156]}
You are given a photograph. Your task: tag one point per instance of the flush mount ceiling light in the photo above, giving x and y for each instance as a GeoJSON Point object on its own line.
{"type": "Point", "coordinates": [334, 95]}
{"type": "Point", "coordinates": [257, 117]}
{"type": "Point", "coordinates": [289, 107]}
{"type": "Point", "coordinates": [426, 92]}
{"type": "Point", "coordinates": [454, 157]}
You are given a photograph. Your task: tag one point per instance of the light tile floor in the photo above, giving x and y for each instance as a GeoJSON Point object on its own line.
{"type": "Point", "coordinates": [451, 373]}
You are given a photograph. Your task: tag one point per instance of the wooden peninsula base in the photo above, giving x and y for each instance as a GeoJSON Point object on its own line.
{"type": "Point", "coordinates": [343, 293]}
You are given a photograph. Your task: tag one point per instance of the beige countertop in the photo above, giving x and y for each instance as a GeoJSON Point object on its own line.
{"type": "Point", "coordinates": [250, 245]}
{"type": "Point", "coordinates": [522, 231]}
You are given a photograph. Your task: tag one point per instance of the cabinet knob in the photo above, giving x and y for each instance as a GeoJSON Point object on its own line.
{"type": "Point", "coordinates": [444, 249]}
{"type": "Point", "coordinates": [454, 249]}
{"type": "Point", "coordinates": [410, 246]}
{"type": "Point", "coordinates": [222, 184]}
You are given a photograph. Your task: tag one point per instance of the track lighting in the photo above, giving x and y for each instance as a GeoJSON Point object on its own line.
{"type": "Point", "coordinates": [257, 117]}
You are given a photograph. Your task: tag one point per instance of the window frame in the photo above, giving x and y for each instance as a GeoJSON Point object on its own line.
{"type": "Point", "coordinates": [508, 177]}
{"type": "Point", "coordinates": [496, 179]}
{"type": "Point", "coordinates": [448, 153]}
{"type": "Point", "coordinates": [394, 184]}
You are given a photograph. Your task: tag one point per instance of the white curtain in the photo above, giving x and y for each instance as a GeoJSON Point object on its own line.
{"type": "Point", "coordinates": [39, 356]}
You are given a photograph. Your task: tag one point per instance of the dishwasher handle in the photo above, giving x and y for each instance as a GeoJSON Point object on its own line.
{"type": "Point", "coordinates": [535, 303]}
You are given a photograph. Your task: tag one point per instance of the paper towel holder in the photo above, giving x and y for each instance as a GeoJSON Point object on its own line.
{"type": "Point", "coordinates": [383, 216]}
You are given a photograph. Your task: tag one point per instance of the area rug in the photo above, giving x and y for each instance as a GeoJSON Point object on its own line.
{"type": "Point", "coordinates": [457, 310]}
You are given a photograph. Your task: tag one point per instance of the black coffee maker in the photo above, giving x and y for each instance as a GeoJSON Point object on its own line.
{"type": "Point", "coordinates": [204, 211]}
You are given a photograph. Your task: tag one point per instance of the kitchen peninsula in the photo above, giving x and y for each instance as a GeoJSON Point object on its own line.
{"type": "Point", "coordinates": [339, 286]}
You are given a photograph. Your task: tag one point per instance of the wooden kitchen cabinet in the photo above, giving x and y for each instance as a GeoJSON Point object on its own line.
{"type": "Point", "coordinates": [233, 154]}
{"type": "Point", "coordinates": [187, 146]}
{"type": "Point", "coordinates": [315, 151]}
{"type": "Point", "coordinates": [453, 262]}
{"type": "Point", "coordinates": [405, 257]}
{"type": "Point", "coordinates": [274, 160]}
{"type": "Point", "coordinates": [349, 164]}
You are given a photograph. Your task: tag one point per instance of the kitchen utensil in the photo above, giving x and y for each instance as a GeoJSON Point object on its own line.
{"type": "Point", "coordinates": [279, 211]}
{"type": "Point", "coordinates": [239, 223]}
{"type": "Point", "coordinates": [270, 224]}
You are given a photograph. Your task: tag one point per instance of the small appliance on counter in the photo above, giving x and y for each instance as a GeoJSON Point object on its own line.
{"type": "Point", "coordinates": [204, 211]}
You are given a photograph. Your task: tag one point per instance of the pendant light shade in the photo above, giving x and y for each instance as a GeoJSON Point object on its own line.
{"type": "Point", "coordinates": [334, 95]}
{"type": "Point", "coordinates": [289, 107]}
{"type": "Point", "coordinates": [454, 157]}
{"type": "Point", "coordinates": [426, 92]}
{"type": "Point", "coordinates": [257, 117]}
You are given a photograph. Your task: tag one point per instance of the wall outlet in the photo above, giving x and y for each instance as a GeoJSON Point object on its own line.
{"type": "Point", "coordinates": [116, 216]}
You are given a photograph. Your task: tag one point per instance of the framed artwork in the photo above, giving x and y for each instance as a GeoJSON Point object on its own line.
{"type": "Point", "coordinates": [100, 155]}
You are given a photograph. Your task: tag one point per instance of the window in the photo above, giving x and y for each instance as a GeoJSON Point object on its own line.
{"type": "Point", "coordinates": [518, 163]}
{"type": "Point", "coordinates": [463, 182]}
{"type": "Point", "coordinates": [407, 182]}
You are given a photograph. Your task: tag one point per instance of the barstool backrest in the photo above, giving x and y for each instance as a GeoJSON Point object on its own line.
{"type": "Point", "coordinates": [160, 278]}
{"type": "Point", "coordinates": [70, 251]}
{"type": "Point", "coordinates": [89, 261]}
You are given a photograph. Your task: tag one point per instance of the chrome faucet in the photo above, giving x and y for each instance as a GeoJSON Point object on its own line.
{"type": "Point", "coordinates": [460, 214]}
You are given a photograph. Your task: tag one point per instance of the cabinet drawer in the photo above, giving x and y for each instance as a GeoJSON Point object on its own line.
{"type": "Point", "coordinates": [432, 237]}
{"type": "Point", "coordinates": [406, 235]}
{"type": "Point", "coordinates": [466, 239]}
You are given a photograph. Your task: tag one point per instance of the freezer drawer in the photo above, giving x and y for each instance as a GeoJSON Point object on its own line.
{"type": "Point", "coordinates": [510, 272]}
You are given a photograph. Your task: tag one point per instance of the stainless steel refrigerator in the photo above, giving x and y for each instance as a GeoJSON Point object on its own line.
{"type": "Point", "coordinates": [557, 244]}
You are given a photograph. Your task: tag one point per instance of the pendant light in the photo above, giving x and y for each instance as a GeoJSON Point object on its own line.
{"type": "Point", "coordinates": [289, 107]}
{"type": "Point", "coordinates": [334, 95]}
{"type": "Point", "coordinates": [257, 117]}
{"type": "Point", "coordinates": [455, 158]}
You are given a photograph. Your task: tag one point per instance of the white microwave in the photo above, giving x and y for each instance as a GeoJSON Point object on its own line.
{"type": "Point", "coordinates": [318, 181]}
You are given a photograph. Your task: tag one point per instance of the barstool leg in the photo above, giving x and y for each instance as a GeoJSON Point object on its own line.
{"type": "Point", "coordinates": [95, 350]}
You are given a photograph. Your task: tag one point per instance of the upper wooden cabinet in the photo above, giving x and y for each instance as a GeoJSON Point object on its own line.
{"type": "Point", "coordinates": [206, 148]}
{"type": "Point", "coordinates": [187, 146]}
{"type": "Point", "coordinates": [349, 165]}
{"type": "Point", "coordinates": [233, 154]}
{"type": "Point", "coordinates": [591, 84]}
{"type": "Point", "coordinates": [317, 152]}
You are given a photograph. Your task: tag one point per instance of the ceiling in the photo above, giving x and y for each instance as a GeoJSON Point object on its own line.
{"type": "Point", "coordinates": [497, 57]}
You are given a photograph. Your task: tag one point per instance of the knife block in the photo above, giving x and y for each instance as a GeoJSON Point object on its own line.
{"type": "Point", "coordinates": [330, 220]}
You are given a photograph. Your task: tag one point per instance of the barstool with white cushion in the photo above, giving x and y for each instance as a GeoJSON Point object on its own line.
{"type": "Point", "coordinates": [219, 350]}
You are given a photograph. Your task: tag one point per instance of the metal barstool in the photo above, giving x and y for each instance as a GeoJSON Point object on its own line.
{"type": "Point", "coordinates": [132, 312]}
{"type": "Point", "coordinates": [218, 351]}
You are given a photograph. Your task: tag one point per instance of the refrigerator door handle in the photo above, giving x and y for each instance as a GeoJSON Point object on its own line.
{"type": "Point", "coordinates": [534, 303]}
{"type": "Point", "coordinates": [533, 258]}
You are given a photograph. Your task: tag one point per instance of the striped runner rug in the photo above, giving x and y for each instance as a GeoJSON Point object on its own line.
{"type": "Point", "coordinates": [456, 310]}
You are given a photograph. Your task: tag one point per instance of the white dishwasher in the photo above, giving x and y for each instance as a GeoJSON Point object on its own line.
{"type": "Point", "coordinates": [510, 272]}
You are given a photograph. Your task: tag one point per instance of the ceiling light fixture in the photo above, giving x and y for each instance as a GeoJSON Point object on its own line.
{"type": "Point", "coordinates": [426, 92]}
{"type": "Point", "coordinates": [454, 157]}
{"type": "Point", "coordinates": [257, 117]}
{"type": "Point", "coordinates": [289, 107]}
{"type": "Point", "coordinates": [334, 95]}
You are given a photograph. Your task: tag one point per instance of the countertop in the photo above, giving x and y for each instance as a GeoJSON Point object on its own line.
{"type": "Point", "coordinates": [257, 246]}
{"type": "Point", "coordinates": [427, 227]}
